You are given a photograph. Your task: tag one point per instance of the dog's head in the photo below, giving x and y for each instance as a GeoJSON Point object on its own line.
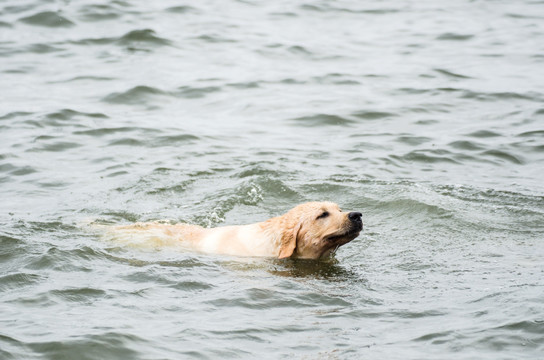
{"type": "Point", "coordinates": [312, 230]}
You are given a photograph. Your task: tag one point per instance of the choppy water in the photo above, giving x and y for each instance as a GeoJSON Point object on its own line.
{"type": "Point", "coordinates": [428, 117]}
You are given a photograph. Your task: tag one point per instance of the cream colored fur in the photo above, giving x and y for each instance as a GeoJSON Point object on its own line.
{"type": "Point", "coordinates": [303, 232]}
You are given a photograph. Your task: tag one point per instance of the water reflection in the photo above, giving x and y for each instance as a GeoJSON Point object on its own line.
{"type": "Point", "coordinates": [327, 269]}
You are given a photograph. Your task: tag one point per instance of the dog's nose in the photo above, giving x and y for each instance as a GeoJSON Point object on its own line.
{"type": "Point", "coordinates": [355, 216]}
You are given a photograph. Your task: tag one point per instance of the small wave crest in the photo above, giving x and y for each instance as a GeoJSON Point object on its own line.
{"type": "Point", "coordinates": [48, 19]}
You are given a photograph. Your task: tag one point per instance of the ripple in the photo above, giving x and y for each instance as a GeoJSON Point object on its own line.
{"type": "Point", "coordinates": [9, 242]}
{"type": "Point", "coordinates": [94, 41]}
{"type": "Point", "coordinates": [378, 106]}
{"type": "Point", "coordinates": [484, 134]}
{"type": "Point", "coordinates": [170, 190]}
{"type": "Point", "coordinates": [290, 81]}
{"type": "Point", "coordinates": [336, 79]}
{"type": "Point", "coordinates": [465, 145]}
{"type": "Point", "coordinates": [56, 146]}
{"type": "Point", "coordinates": [174, 140]}
{"type": "Point", "coordinates": [503, 155]}
{"type": "Point", "coordinates": [528, 326]}
{"type": "Point", "coordinates": [15, 9]}
{"type": "Point", "coordinates": [322, 120]}
{"type": "Point", "coordinates": [42, 49]}
{"type": "Point", "coordinates": [12, 348]}
{"type": "Point", "coordinates": [451, 74]}
{"type": "Point", "coordinates": [328, 8]}
{"type": "Point", "coordinates": [534, 133]}
{"type": "Point", "coordinates": [214, 39]}
{"type": "Point", "coordinates": [122, 216]}
{"type": "Point", "coordinates": [313, 7]}
{"type": "Point", "coordinates": [245, 85]}
{"type": "Point", "coordinates": [413, 140]}
{"type": "Point", "coordinates": [14, 114]}
{"type": "Point", "coordinates": [155, 276]}
{"type": "Point", "coordinates": [517, 207]}
{"type": "Point", "coordinates": [486, 96]}
{"type": "Point", "coordinates": [69, 114]}
{"type": "Point", "coordinates": [142, 36]}
{"type": "Point", "coordinates": [190, 92]}
{"type": "Point", "coordinates": [299, 50]}
{"type": "Point", "coordinates": [116, 130]}
{"type": "Point", "coordinates": [99, 12]}
{"type": "Point", "coordinates": [181, 9]}
{"type": "Point", "coordinates": [128, 142]}
{"type": "Point", "coordinates": [372, 115]}
{"type": "Point", "coordinates": [7, 167]}
{"type": "Point", "coordinates": [454, 37]}
{"type": "Point", "coordinates": [436, 337]}
{"type": "Point", "coordinates": [79, 295]}
{"type": "Point", "coordinates": [256, 170]}
{"type": "Point", "coordinates": [108, 345]}
{"type": "Point", "coordinates": [419, 314]}
{"type": "Point", "coordinates": [249, 192]}
{"type": "Point", "coordinates": [48, 19]}
{"type": "Point", "coordinates": [414, 207]}
{"type": "Point", "coordinates": [427, 156]}
{"type": "Point", "coordinates": [255, 298]}
{"type": "Point", "coordinates": [24, 170]}
{"type": "Point", "coordinates": [131, 39]}
{"type": "Point", "coordinates": [84, 78]}
{"type": "Point", "coordinates": [146, 140]}
{"type": "Point", "coordinates": [136, 95]}
{"type": "Point", "coordinates": [48, 226]}
{"type": "Point", "coordinates": [325, 269]}
{"type": "Point", "coordinates": [18, 280]}
{"type": "Point", "coordinates": [501, 342]}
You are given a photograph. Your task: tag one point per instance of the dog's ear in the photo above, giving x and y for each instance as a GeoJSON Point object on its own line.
{"type": "Point", "coordinates": [289, 241]}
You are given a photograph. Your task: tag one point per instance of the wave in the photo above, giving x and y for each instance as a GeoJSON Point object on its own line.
{"type": "Point", "coordinates": [48, 19]}
{"type": "Point", "coordinates": [328, 9]}
{"type": "Point", "coordinates": [181, 9]}
{"type": "Point", "coordinates": [14, 114]}
{"type": "Point", "coordinates": [372, 115]}
{"type": "Point", "coordinates": [427, 156]}
{"type": "Point", "coordinates": [136, 95]}
{"type": "Point", "coordinates": [99, 132]}
{"type": "Point", "coordinates": [454, 37]}
{"type": "Point", "coordinates": [104, 345]}
{"type": "Point", "coordinates": [190, 92]}
{"type": "Point", "coordinates": [322, 120]}
{"type": "Point", "coordinates": [214, 39]}
{"type": "Point", "coordinates": [142, 94]}
{"type": "Point", "coordinates": [56, 146]}
{"type": "Point", "coordinates": [452, 74]}
{"type": "Point", "coordinates": [142, 36]}
{"type": "Point", "coordinates": [502, 156]}
{"type": "Point", "coordinates": [99, 12]}
{"type": "Point", "coordinates": [84, 78]}
{"type": "Point", "coordinates": [132, 38]}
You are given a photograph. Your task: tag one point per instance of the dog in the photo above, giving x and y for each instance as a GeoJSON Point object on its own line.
{"type": "Point", "coordinates": [308, 231]}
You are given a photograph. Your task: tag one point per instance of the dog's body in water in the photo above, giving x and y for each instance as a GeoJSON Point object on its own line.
{"type": "Point", "coordinates": [309, 231]}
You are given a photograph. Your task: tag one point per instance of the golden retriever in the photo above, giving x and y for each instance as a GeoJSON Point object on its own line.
{"type": "Point", "coordinates": [308, 231]}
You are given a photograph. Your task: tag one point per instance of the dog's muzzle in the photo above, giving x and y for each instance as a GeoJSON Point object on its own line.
{"type": "Point", "coordinates": [356, 221]}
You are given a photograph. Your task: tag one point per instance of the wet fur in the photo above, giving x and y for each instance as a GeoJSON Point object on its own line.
{"type": "Point", "coordinates": [300, 233]}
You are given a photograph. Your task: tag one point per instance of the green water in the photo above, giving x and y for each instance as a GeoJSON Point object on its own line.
{"type": "Point", "coordinates": [427, 117]}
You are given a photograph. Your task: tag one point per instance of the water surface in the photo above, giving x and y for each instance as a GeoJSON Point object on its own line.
{"type": "Point", "coordinates": [425, 116]}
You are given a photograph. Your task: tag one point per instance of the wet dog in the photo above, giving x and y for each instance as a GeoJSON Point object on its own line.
{"type": "Point", "coordinates": [309, 231]}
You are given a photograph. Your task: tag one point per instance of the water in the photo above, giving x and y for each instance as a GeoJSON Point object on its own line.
{"type": "Point", "coordinates": [425, 116]}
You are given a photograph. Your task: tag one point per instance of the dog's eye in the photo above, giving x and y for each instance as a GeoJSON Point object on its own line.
{"type": "Point", "coordinates": [324, 215]}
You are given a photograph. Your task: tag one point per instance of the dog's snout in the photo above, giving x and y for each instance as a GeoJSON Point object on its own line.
{"type": "Point", "coordinates": [355, 216]}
